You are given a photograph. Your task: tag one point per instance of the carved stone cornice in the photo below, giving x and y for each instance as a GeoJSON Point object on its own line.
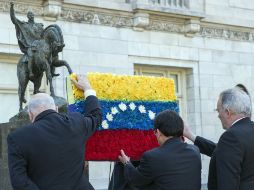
{"type": "Point", "coordinates": [93, 17]}
{"type": "Point", "coordinates": [98, 18]}
{"type": "Point", "coordinates": [226, 33]}
{"type": "Point", "coordinates": [165, 26]}
{"type": "Point", "coordinates": [134, 20]}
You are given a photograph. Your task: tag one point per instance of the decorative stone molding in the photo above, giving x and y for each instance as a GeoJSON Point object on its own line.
{"type": "Point", "coordinates": [4, 6]}
{"type": "Point", "coordinates": [165, 26]}
{"type": "Point", "coordinates": [98, 18]}
{"type": "Point", "coordinates": [21, 8]}
{"type": "Point", "coordinates": [92, 17]}
{"type": "Point", "coordinates": [225, 33]}
{"type": "Point", "coordinates": [139, 21]}
{"type": "Point", "coordinates": [52, 9]}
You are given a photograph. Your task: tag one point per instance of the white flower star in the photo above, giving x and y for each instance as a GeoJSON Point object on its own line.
{"type": "Point", "coordinates": [142, 109]}
{"type": "Point", "coordinates": [151, 114]}
{"type": "Point", "coordinates": [122, 106]}
{"type": "Point", "coordinates": [114, 110]}
{"type": "Point", "coordinates": [132, 106]}
{"type": "Point", "coordinates": [104, 124]}
{"type": "Point", "coordinates": [109, 117]}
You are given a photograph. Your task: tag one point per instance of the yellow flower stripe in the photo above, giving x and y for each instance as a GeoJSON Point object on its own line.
{"type": "Point", "coordinates": [131, 88]}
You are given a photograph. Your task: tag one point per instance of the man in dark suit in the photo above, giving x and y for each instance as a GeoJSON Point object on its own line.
{"type": "Point", "coordinates": [174, 165]}
{"type": "Point", "coordinates": [48, 154]}
{"type": "Point", "coordinates": [231, 165]}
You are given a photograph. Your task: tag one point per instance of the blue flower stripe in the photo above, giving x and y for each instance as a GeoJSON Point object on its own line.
{"type": "Point", "coordinates": [120, 115]}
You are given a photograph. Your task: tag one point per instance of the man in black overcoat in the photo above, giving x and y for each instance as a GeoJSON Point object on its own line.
{"type": "Point", "coordinates": [48, 154]}
{"type": "Point", "coordinates": [231, 165]}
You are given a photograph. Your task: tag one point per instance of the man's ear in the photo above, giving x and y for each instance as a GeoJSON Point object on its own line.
{"type": "Point", "coordinates": [229, 113]}
{"type": "Point", "coordinates": [31, 116]}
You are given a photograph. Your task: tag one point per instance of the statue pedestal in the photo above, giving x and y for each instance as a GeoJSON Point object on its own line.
{"type": "Point", "coordinates": [19, 120]}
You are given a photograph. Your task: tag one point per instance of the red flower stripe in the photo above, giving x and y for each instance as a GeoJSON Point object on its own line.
{"type": "Point", "coordinates": [106, 145]}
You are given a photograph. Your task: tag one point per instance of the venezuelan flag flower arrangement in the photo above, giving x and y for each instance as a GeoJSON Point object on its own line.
{"type": "Point", "coordinates": [129, 105]}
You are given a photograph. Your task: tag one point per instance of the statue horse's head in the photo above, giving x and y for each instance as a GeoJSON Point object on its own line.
{"type": "Point", "coordinates": [54, 37]}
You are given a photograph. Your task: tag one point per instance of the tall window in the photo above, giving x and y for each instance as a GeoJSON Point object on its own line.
{"type": "Point", "coordinates": [178, 75]}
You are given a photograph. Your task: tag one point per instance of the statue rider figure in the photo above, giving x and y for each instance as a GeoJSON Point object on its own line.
{"type": "Point", "coordinates": [27, 33]}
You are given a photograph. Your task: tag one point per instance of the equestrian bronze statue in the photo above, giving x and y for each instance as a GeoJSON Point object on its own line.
{"type": "Point", "coordinates": [40, 48]}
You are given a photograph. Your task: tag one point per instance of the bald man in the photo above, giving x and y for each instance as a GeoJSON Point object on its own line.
{"type": "Point", "coordinates": [48, 154]}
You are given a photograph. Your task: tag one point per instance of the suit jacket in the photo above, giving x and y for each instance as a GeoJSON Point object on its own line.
{"type": "Point", "coordinates": [49, 153]}
{"type": "Point", "coordinates": [173, 166]}
{"type": "Point", "coordinates": [117, 181]}
{"type": "Point", "coordinates": [232, 160]}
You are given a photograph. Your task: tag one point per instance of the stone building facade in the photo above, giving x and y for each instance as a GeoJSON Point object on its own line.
{"type": "Point", "coordinates": [205, 46]}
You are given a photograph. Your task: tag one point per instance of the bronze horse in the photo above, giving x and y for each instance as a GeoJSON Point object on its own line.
{"type": "Point", "coordinates": [43, 56]}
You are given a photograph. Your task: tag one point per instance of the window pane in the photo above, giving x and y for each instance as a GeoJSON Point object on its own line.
{"type": "Point", "coordinates": [175, 78]}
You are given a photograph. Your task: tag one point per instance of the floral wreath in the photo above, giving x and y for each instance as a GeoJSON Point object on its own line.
{"type": "Point", "coordinates": [124, 99]}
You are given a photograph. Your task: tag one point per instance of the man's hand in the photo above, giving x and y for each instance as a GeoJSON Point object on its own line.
{"type": "Point", "coordinates": [124, 158]}
{"type": "Point", "coordinates": [188, 133]}
{"type": "Point", "coordinates": [82, 83]}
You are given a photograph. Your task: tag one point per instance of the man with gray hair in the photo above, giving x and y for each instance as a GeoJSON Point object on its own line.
{"type": "Point", "coordinates": [39, 103]}
{"type": "Point", "coordinates": [232, 159]}
{"type": "Point", "coordinates": [48, 154]}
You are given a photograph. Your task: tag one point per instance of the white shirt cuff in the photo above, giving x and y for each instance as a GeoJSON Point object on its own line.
{"type": "Point", "coordinates": [89, 92]}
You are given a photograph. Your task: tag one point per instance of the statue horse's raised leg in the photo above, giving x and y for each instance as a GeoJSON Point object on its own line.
{"type": "Point", "coordinates": [59, 63]}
